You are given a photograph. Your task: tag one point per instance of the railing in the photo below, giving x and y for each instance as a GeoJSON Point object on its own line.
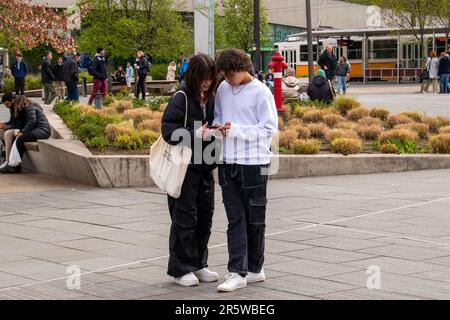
{"type": "Point", "coordinates": [383, 73]}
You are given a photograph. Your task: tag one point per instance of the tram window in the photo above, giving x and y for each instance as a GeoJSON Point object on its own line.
{"type": "Point", "coordinates": [354, 51]}
{"type": "Point", "coordinates": [384, 49]}
{"type": "Point", "coordinates": [304, 52]}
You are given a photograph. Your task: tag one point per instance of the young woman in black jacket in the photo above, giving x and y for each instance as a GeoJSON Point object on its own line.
{"type": "Point", "coordinates": [36, 127]}
{"type": "Point", "coordinates": [192, 212]}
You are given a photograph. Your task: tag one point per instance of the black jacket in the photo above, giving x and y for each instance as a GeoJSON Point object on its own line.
{"type": "Point", "coordinates": [173, 119]}
{"type": "Point", "coordinates": [444, 65]}
{"type": "Point", "coordinates": [320, 90]}
{"type": "Point", "coordinates": [58, 72]}
{"type": "Point", "coordinates": [47, 71]}
{"type": "Point", "coordinates": [143, 66]}
{"type": "Point", "coordinates": [99, 68]}
{"type": "Point", "coordinates": [330, 62]}
{"type": "Point", "coordinates": [71, 73]}
{"type": "Point", "coordinates": [35, 121]}
{"type": "Point", "coordinates": [13, 122]}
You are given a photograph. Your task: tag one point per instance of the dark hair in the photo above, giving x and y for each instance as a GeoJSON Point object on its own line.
{"type": "Point", "coordinates": [20, 103]}
{"type": "Point", "coordinates": [47, 53]}
{"type": "Point", "coordinates": [201, 67]}
{"type": "Point", "coordinates": [8, 96]}
{"type": "Point", "coordinates": [234, 60]}
{"type": "Point", "coordinates": [77, 54]}
{"type": "Point", "coordinates": [99, 49]}
{"type": "Point", "coordinates": [19, 54]}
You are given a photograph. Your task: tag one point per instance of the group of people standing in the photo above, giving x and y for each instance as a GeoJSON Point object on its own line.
{"type": "Point", "coordinates": [437, 73]}
{"type": "Point", "coordinates": [237, 115]}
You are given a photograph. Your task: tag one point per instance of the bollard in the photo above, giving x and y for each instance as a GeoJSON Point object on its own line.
{"type": "Point", "coordinates": [277, 65]}
{"type": "Point", "coordinates": [98, 101]}
{"type": "Point", "coordinates": [84, 87]}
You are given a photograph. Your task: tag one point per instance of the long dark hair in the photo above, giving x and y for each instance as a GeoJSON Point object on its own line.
{"type": "Point", "coordinates": [201, 67]}
{"type": "Point", "coordinates": [20, 103]}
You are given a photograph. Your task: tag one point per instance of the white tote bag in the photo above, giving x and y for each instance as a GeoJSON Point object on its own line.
{"type": "Point", "coordinates": [168, 163]}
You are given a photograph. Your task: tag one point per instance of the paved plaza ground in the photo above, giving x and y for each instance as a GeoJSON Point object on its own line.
{"type": "Point", "coordinates": [323, 235]}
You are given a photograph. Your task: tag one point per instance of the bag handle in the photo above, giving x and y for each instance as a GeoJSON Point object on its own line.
{"type": "Point", "coordinates": [186, 100]}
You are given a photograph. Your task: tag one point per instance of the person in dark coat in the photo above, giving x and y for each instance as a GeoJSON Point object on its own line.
{"type": "Point", "coordinates": [320, 88]}
{"type": "Point", "coordinates": [192, 212]}
{"type": "Point", "coordinates": [58, 72]}
{"type": "Point", "coordinates": [142, 71]}
{"type": "Point", "coordinates": [35, 127]}
{"type": "Point", "coordinates": [48, 78]}
{"type": "Point", "coordinates": [328, 62]}
{"type": "Point", "coordinates": [444, 73]}
{"type": "Point", "coordinates": [98, 70]}
{"type": "Point", "coordinates": [71, 77]}
{"type": "Point", "coordinates": [9, 129]}
{"type": "Point", "coordinates": [19, 71]}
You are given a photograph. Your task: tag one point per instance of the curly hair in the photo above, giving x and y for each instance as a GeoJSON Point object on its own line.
{"type": "Point", "coordinates": [234, 60]}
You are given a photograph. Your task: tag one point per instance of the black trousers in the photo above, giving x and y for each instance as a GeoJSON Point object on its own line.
{"type": "Point", "coordinates": [32, 136]}
{"type": "Point", "coordinates": [141, 85]}
{"type": "Point", "coordinates": [191, 216]}
{"type": "Point", "coordinates": [244, 193]}
{"type": "Point", "coordinates": [19, 84]}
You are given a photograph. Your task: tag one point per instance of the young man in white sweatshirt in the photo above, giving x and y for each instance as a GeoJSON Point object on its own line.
{"type": "Point", "coordinates": [245, 110]}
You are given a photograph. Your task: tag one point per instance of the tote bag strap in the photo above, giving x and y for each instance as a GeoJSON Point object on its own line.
{"type": "Point", "coordinates": [186, 101]}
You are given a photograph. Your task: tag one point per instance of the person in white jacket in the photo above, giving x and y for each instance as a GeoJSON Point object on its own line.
{"type": "Point", "coordinates": [246, 113]}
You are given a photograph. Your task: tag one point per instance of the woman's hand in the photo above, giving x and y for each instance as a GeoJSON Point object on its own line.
{"type": "Point", "coordinates": [225, 128]}
{"type": "Point", "coordinates": [19, 134]}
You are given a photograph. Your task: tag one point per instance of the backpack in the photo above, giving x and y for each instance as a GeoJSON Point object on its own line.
{"type": "Point", "coordinates": [91, 70]}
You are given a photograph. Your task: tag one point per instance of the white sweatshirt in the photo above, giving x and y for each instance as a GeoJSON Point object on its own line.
{"type": "Point", "coordinates": [254, 121]}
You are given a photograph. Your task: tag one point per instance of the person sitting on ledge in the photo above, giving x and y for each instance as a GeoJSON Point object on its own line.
{"type": "Point", "coordinates": [9, 129]}
{"type": "Point", "coordinates": [35, 127]}
{"type": "Point", "coordinates": [320, 88]}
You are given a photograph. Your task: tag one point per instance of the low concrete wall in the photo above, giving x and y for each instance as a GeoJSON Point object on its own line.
{"type": "Point", "coordinates": [66, 157]}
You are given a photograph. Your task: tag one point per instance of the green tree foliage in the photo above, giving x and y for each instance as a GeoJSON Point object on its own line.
{"type": "Point", "coordinates": [124, 26]}
{"type": "Point", "coordinates": [235, 28]}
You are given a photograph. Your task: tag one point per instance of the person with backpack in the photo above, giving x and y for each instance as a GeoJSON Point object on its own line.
{"type": "Point", "coordinates": [19, 71]}
{"type": "Point", "coordinates": [98, 70]}
{"type": "Point", "coordinates": [183, 67]}
{"type": "Point", "coordinates": [142, 67]}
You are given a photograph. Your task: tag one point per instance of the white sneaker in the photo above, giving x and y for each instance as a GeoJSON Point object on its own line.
{"type": "Point", "coordinates": [3, 165]}
{"type": "Point", "coordinates": [232, 282]}
{"type": "Point", "coordinates": [253, 277]}
{"type": "Point", "coordinates": [188, 280]}
{"type": "Point", "coordinates": [205, 275]}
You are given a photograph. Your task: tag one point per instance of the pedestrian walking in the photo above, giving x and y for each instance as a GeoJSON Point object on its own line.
{"type": "Point", "coordinates": [98, 70]}
{"type": "Point", "coordinates": [19, 71]}
{"type": "Point", "coordinates": [342, 72]}
{"type": "Point", "coordinates": [58, 72]}
{"type": "Point", "coordinates": [142, 68]}
{"type": "Point", "coordinates": [71, 77]}
{"type": "Point", "coordinates": [48, 79]}
{"type": "Point", "coordinates": [432, 67]}
{"type": "Point", "coordinates": [245, 110]}
{"type": "Point", "coordinates": [192, 212]}
{"type": "Point", "coordinates": [328, 62]}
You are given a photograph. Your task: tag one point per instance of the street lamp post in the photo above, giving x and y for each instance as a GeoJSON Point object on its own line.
{"type": "Point", "coordinates": [256, 36]}
{"type": "Point", "coordinates": [310, 41]}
